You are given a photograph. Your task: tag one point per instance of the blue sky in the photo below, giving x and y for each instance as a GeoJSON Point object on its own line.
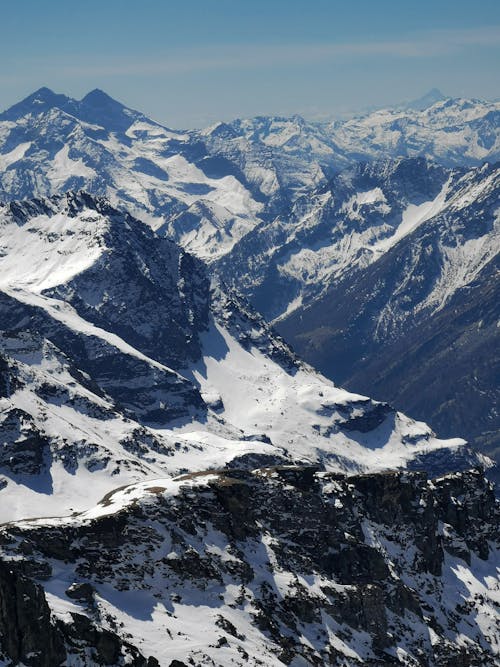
{"type": "Point", "coordinates": [189, 63]}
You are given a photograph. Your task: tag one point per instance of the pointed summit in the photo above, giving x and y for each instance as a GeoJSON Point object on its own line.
{"type": "Point", "coordinates": [434, 95]}
{"type": "Point", "coordinates": [98, 98]}
{"type": "Point", "coordinates": [99, 108]}
{"type": "Point", "coordinates": [42, 95]}
{"type": "Point", "coordinates": [39, 101]}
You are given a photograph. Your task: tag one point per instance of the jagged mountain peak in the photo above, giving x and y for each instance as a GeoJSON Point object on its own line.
{"type": "Point", "coordinates": [78, 248]}
{"type": "Point", "coordinates": [99, 97]}
{"type": "Point", "coordinates": [99, 108]}
{"type": "Point", "coordinates": [69, 205]}
{"type": "Point", "coordinates": [40, 101]}
{"type": "Point", "coordinates": [433, 93]}
{"type": "Point", "coordinates": [43, 94]}
{"type": "Point", "coordinates": [220, 130]}
{"type": "Point", "coordinates": [96, 107]}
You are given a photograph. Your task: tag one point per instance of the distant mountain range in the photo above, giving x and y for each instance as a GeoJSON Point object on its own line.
{"type": "Point", "coordinates": [284, 209]}
{"type": "Point", "coordinates": [239, 173]}
{"type": "Point", "coordinates": [201, 494]}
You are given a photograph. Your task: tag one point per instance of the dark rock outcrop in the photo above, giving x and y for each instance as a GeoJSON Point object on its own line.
{"type": "Point", "coordinates": [310, 553]}
{"type": "Point", "coordinates": [27, 633]}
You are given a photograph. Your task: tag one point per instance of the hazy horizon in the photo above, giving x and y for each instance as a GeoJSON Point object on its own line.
{"type": "Point", "coordinates": [318, 117]}
{"type": "Point", "coordinates": [190, 64]}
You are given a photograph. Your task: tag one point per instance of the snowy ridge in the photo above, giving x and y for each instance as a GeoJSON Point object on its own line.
{"type": "Point", "coordinates": [413, 216]}
{"type": "Point", "coordinates": [100, 146]}
{"type": "Point", "coordinates": [28, 258]}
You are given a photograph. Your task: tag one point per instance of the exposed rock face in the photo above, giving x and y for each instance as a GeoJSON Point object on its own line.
{"type": "Point", "coordinates": [102, 363]}
{"type": "Point", "coordinates": [287, 563]}
{"type": "Point", "coordinates": [291, 259]}
{"type": "Point", "coordinates": [30, 635]}
{"type": "Point", "coordinates": [24, 449]}
{"type": "Point", "coordinates": [122, 360]}
{"type": "Point", "coordinates": [26, 631]}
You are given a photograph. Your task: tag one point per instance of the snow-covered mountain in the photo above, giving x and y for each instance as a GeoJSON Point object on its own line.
{"type": "Point", "coordinates": [349, 222]}
{"type": "Point", "coordinates": [356, 219]}
{"type": "Point", "coordinates": [198, 470]}
{"type": "Point", "coordinates": [51, 144]}
{"type": "Point", "coordinates": [121, 362]}
{"type": "Point", "coordinates": [207, 189]}
{"type": "Point", "coordinates": [290, 154]}
{"type": "Point", "coordinates": [263, 201]}
{"type": "Point", "coordinates": [453, 132]}
{"type": "Point", "coordinates": [201, 495]}
{"type": "Point", "coordinates": [425, 101]}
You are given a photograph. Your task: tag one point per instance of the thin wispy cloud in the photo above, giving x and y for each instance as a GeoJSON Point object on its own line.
{"type": "Point", "coordinates": [254, 56]}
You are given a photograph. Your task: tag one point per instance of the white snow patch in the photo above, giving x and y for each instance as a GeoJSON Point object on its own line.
{"type": "Point", "coordinates": [63, 168]}
{"type": "Point", "coordinates": [48, 251]}
{"type": "Point", "coordinates": [413, 216]}
{"type": "Point", "coordinates": [14, 155]}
